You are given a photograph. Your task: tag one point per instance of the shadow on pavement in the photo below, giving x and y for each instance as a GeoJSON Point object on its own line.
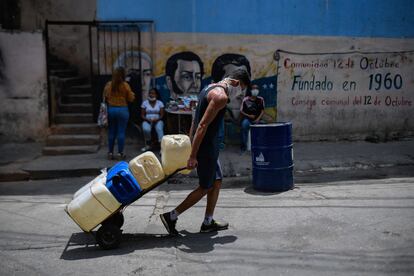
{"type": "Point", "coordinates": [251, 191]}
{"type": "Point", "coordinates": [82, 245]}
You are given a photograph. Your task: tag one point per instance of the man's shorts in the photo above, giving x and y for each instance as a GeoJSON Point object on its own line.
{"type": "Point", "coordinates": [208, 170]}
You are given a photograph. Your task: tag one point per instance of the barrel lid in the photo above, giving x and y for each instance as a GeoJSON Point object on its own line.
{"type": "Point", "coordinates": [277, 124]}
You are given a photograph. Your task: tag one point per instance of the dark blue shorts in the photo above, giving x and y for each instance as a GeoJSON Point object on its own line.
{"type": "Point", "coordinates": [208, 170]}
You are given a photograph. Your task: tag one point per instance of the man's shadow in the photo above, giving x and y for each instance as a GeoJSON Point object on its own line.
{"type": "Point", "coordinates": [83, 245]}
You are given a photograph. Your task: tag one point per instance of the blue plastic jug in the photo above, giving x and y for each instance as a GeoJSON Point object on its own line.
{"type": "Point", "coordinates": [122, 184]}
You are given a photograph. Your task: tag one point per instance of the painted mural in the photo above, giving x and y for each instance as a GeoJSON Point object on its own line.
{"type": "Point", "coordinates": [186, 75]}
{"type": "Point", "coordinates": [218, 56]}
{"type": "Point", "coordinates": [256, 29]}
{"type": "Point", "coordinates": [132, 61]}
{"type": "Point", "coordinates": [181, 71]}
{"type": "Point", "coordinates": [185, 63]}
{"type": "Point", "coordinates": [183, 74]}
{"type": "Point", "coordinates": [328, 92]}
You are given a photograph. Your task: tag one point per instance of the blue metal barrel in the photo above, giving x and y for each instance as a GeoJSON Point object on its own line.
{"type": "Point", "coordinates": [272, 156]}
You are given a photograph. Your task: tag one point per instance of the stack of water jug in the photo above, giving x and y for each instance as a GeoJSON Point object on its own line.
{"type": "Point", "coordinates": [126, 182]}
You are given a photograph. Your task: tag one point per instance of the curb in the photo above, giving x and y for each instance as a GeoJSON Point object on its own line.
{"type": "Point", "coordinates": [19, 175]}
{"type": "Point", "coordinates": [53, 174]}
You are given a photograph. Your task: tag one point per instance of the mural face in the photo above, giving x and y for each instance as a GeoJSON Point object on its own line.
{"type": "Point", "coordinates": [184, 72]}
{"type": "Point", "coordinates": [187, 77]}
{"type": "Point", "coordinates": [130, 61]}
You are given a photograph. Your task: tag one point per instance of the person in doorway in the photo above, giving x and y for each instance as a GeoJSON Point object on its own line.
{"type": "Point", "coordinates": [117, 94]}
{"type": "Point", "coordinates": [252, 110]}
{"type": "Point", "coordinates": [205, 150]}
{"type": "Point", "coordinates": [152, 112]}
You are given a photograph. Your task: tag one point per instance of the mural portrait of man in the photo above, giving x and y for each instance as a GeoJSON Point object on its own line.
{"type": "Point", "coordinates": [223, 66]}
{"type": "Point", "coordinates": [129, 60]}
{"type": "Point", "coordinates": [183, 74]}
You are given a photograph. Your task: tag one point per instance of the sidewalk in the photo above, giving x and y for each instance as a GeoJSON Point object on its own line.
{"type": "Point", "coordinates": [312, 160]}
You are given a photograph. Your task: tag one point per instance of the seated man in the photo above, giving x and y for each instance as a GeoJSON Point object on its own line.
{"type": "Point", "coordinates": [152, 112]}
{"type": "Point", "coordinates": [252, 110]}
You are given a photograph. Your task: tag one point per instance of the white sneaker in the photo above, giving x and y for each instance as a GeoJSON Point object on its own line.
{"type": "Point", "coordinates": [146, 148]}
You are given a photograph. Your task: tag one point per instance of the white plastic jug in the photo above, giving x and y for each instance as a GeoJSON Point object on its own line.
{"type": "Point", "coordinates": [146, 169]}
{"type": "Point", "coordinates": [175, 151]}
{"type": "Point", "coordinates": [99, 179]}
{"type": "Point", "coordinates": [92, 206]}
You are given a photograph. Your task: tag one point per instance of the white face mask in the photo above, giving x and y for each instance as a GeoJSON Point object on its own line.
{"type": "Point", "coordinates": [233, 90]}
{"type": "Point", "coordinates": [255, 92]}
{"type": "Point", "coordinates": [152, 99]}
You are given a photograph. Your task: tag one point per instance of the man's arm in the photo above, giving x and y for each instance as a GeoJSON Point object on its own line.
{"type": "Point", "coordinates": [191, 129]}
{"type": "Point", "coordinates": [217, 101]}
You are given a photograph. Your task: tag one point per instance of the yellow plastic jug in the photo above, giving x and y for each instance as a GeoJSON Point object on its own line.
{"type": "Point", "coordinates": [175, 151]}
{"type": "Point", "coordinates": [146, 169]}
{"type": "Point", "coordinates": [91, 207]}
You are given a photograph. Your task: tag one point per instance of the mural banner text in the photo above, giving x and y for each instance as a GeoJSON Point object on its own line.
{"type": "Point", "coordinates": [338, 94]}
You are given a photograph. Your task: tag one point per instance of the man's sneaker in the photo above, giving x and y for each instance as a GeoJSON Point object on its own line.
{"type": "Point", "coordinates": [213, 227]}
{"type": "Point", "coordinates": [169, 223]}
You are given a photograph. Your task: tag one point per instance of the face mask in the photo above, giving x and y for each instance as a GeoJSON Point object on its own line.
{"type": "Point", "coordinates": [235, 90]}
{"type": "Point", "coordinates": [255, 92]}
{"type": "Point", "coordinates": [152, 99]}
{"type": "Point", "coordinates": [232, 90]}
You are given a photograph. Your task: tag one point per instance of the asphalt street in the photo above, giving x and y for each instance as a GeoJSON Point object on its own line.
{"type": "Point", "coordinates": [355, 227]}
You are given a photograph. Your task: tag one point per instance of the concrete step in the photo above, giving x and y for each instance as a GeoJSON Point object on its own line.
{"type": "Point", "coordinates": [79, 89]}
{"type": "Point", "coordinates": [63, 173]}
{"type": "Point", "coordinates": [68, 150]}
{"type": "Point", "coordinates": [76, 108]}
{"type": "Point", "coordinates": [72, 81]}
{"type": "Point", "coordinates": [72, 140]}
{"type": "Point", "coordinates": [75, 129]}
{"type": "Point", "coordinates": [73, 118]}
{"type": "Point", "coordinates": [64, 73]}
{"type": "Point", "coordinates": [69, 165]}
{"type": "Point", "coordinates": [76, 98]}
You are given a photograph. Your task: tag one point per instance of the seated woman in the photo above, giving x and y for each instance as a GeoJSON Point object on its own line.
{"type": "Point", "coordinates": [252, 110]}
{"type": "Point", "coordinates": [152, 112]}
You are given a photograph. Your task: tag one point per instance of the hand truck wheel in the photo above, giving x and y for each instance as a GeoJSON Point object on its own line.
{"type": "Point", "coordinates": [108, 236]}
{"type": "Point", "coordinates": [116, 219]}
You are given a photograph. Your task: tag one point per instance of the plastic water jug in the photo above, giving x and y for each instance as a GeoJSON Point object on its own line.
{"type": "Point", "coordinates": [146, 169]}
{"type": "Point", "coordinates": [91, 207]}
{"type": "Point", "coordinates": [99, 179]}
{"type": "Point", "coordinates": [175, 151]}
{"type": "Point", "coordinates": [122, 184]}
